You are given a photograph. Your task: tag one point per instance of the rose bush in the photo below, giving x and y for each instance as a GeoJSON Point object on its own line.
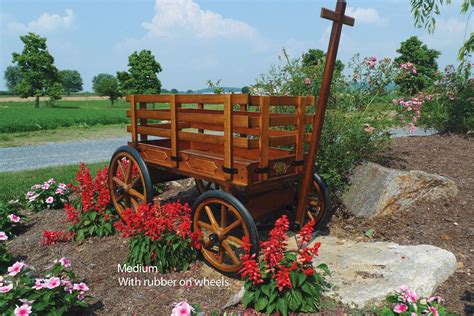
{"type": "Point", "coordinates": [56, 293]}
{"type": "Point", "coordinates": [91, 213]}
{"type": "Point", "coordinates": [50, 194]}
{"type": "Point", "coordinates": [280, 280]}
{"type": "Point", "coordinates": [160, 236]}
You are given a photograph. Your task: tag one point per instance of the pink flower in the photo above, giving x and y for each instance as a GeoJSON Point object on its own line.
{"type": "Point", "coordinates": [307, 81]}
{"type": "Point", "coordinates": [3, 236]}
{"type": "Point", "coordinates": [1, 280]}
{"type": "Point", "coordinates": [51, 181]}
{"type": "Point", "coordinates": [14, 218]}
{"type": "Point", "coordinates": [15, 268]}
{"type": "Point", "coordinates": [182, 309]}
{"type": "Point", "coordinates": [30, 194]}
{"type": "Point", "coordinates": [62, 186]}
{"type": "Point", "coordinates": [52, 282]}
{"type": "Point", "coordinates": [65, 262]}
{"type": "Point", "coordinates": [435, 298]}
{"type": "Point", "coordinates": [434, 310]}
{"type": "Point", "coordinates": [50, 200]}
{"type": "Point", "coordinates": [33, 198]}
{"type": "Point", "coordinates": [6, 288]}
{"type": "Point", "coordinates": [412, 297]}
{"type": "Point", "coordinates": [45, 186]}
{"type": "Point", "coordinates": [67, 285]}
{"type": "Point", "coordinates": [81, 287]}
{"type": "Point", "coordinates": [36, 186]}
{"type": "Point", "coordinates": [22, 310]}
{"type": "Point", "coordinates": [59, 191]}
{"type": "Point", "coordinates": [25, 301]}
{"type": "Point", "coordinates": [400, 308]}
{"type": "Point", "coordinates": [39, 284]}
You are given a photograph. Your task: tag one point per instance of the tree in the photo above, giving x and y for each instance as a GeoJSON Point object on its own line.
{"type": "Point", "coordinates": [71, 81]}
{"type": "Point", "coordinates": [189, 91]}
{"type": "Point", "coordinates": [425, 70]}
{"type": "Point", "coordinates": [215, 86]}
{"type": "Point", "coordinates": [245, 89]}
{"type": "Point", "coordinates": [13, 76]}
{"type": "Point", "coordinates": [40, 76]}
{"type": "Point", "coordinates": [174, 91]}
{"type": "Point", "coordinates": [142, 75]}
{"type": "Point", "coordinates": [107, 85]}
{"type": "Point", "coordinates": [315, 57]}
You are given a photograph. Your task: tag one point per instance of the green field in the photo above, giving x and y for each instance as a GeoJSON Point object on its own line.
{"type": "Point", "coordinates": [23, 117]}
{"type": "Point", "coordinates": [14, 185]}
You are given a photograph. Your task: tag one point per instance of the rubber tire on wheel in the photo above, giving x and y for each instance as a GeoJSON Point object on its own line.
{"type": "Point", "coordinates": [147, 183]}
{"type": "Point", "coordinates": [224, 198]}
{"type": "Point", "coordinates": [320, 187]}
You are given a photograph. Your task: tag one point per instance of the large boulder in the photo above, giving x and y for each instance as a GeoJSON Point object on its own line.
{"type": "Point", "coordinates": [376, 190]}
{"type": "Point", "coordinates": [364, 273]}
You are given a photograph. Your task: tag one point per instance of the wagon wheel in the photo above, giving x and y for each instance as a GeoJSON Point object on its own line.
{"type": "Point", "coordinates": [223, 221]}
{"type": "Point", "coordinates": [204, 185]}
{"type": "Point", "coordinates": [319, 203]}
{"type": "Point", "coordinates": [129, 180]}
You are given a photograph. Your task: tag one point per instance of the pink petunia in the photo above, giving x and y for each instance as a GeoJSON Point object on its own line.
{"type": "Point", "coordinates": [59, 191]}
{"type": "Point", "coordinates": [65, 262]}
{"type": "Point", "coordinates": [51, 181]}
{"type": "Point", "coordinates": [3, 236]}
{"type": "Point", "coordinates": [49, 200]}
{"type": "Point", "coordinates": [6, 288]}
{"type": "Point", "coordinates": [81, 287]}
{"type": "Point", "coordinates": [22, 310]}
{"type": "Point", "coordinates": [30, 194]}
{"type": "Point", "coordinates": [14, 218]}
{"type": "Point", "coordinates": [433, 310]}
{"type": "Point", "coordinates": [182, 309]}
{"type": "Point", "coordinates": [53, 282]}
{"type": "Point", "coordinates": [45, 186]}
{"type": "Point", "coordinates": [33, 198]}
{"type": "Point", "coordinates": [15, 268]}
{"type": "Point", "coordinates": [39, 284]}
{"type": "Point", "coordinates": [400, 308]}
{"type": "Point", "coordinates": [67, 286]}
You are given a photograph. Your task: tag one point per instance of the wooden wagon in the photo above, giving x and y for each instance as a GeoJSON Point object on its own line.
{"type": "Point", "coordinates": [248, 159]}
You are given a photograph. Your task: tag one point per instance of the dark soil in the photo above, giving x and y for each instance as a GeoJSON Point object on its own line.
{"type": "Point", "coordinates": [448, 224]}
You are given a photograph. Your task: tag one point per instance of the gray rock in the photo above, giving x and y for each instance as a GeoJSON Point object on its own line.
{"type": "Point", "coordinates": [235, 299]}
{"type": "Point", "coordinates": [376, 190]}
{"type": "Point", "coordinates": [366, 272]}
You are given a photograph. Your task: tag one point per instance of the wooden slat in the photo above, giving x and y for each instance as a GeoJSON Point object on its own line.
{"type": "Point", "coordinates": [300, 129]}
{"type": "Point", "coordinates": [215, 127]}
{"type": "Point", "coordinates": [133, 120]}
{"type": "Point", "coordinates": [151, 131]}
{"type": "Point", "coordinates": [143, 122]}
{"type": "Point", "coordinates": [201, 107]}
{"type": "Point", "coordinates": [149, 98]}
{"type": "Point", "coordinates": [174, 129]}
{"type": "Point", "coordinates": [264, 137]}
{"type": "Point", "coordinates": [228, 136]}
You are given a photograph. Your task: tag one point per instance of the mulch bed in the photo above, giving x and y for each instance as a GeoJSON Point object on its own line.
{"type": "Point", "coordinates": [447, 224]}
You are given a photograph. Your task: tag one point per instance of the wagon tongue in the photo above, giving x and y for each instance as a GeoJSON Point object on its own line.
{"type": "Point", "coordinates": [339, 18]}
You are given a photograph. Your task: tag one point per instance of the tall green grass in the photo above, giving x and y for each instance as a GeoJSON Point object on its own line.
{"type": "Point", "coordinates": [14, 185]}
{"type": "Point", "coordinates": [23, 117]}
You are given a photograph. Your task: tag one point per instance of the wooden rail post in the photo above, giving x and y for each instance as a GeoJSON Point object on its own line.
{"type": "Point", "coordinates": [133, 120]}
{"type": "Point", "coordinates": [264, 137]}
{"type": "Point", "coordinates": [338, 19]}
{"type": "Point", "coordinates": [228, 138]}
{"type": "Point", "coordinates": [300, 130]}
{"type": "Point", "coordinates": [200, 107]}
{"type": "Point", "coordinates": [143, 122]}
{"type": "Point", "coordinates": [174, 131]}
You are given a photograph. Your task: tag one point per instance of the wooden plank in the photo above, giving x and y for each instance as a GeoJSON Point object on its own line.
{"type": "Point", "coordinates": [133, 120]}
{"type": "Point", "coordinates": [215, 127]}
{"type": "Point", "coordinates": [300, 129]}
{"type": "Point", "coordinates": [201, 107]}
{"type": "Point", "coordinates": [149, 98]}
{"type": "Point", "coordinates": [216, 139]}
{"type": "Point", "coordinates": [151, 131]}
{"type": "Point", "coordinates": [200, 98]}
{"type": "Point", "coordinates": [174, 129]}
{"type": "Point", "coordinates": [264, 137]}
{"type": "Point", "coordinates": [143, 122]}
{"type": "Point", "coordinates": [228, 136]}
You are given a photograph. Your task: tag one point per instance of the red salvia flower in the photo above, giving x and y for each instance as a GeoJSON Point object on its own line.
{"type": "Point", "coordinates": [51, 237]}
{"type": "Point", "coordinates": [283, 279]}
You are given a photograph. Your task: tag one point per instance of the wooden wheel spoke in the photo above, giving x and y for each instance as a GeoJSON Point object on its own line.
{"type": "Point", "coordinates": [134, 181]}
{"type": "Point", "coordinates": [310, 215]}
{"type": "Point", "coordinates": [232, 226]}
{"type": "Point", "coordinates": [120, 165]}
{"type": "Point", "coordinates": [211, 217]}
{"type": "Point", "coordinates": [223, 215]}
{"type": "Point", "coordinates": [235, 240]}
{"type": "Point", "coordinates": [230, 252]}
{"type": "Point", "coordinates": [128, 174]}
{"type": "Point", "coordinates": [220, 255]}
{"type": "Point", "coordinates": [205, 226]}
{"type": "Point", "coordinates": [134, 203]}
{"type": "Point", "coordinates": [119, 198]}
{"type": "Point", "coordinates": [119, 182]}
{"type": "Point", "coordinates": [136, 194]}
{"type": "Point", "coordinates": [207, 244]}
{"type": "Point", "coordinates": [314, 203]}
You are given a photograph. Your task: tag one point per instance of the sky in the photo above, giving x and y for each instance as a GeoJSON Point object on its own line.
{"type": "Point", "coordinates": [195, 41]}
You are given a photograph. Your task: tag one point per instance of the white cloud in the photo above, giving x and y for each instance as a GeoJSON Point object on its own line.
{"type": "Point", "coordinates": [173, 16]}
{"type": "Point", "coordinates": [449, 34]}
{"type": "Point", "coordinates": [45, 23]}
{"type": "Point", "coordinates": [365, 15]}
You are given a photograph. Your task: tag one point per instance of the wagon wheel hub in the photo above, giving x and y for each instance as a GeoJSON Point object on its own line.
{"type": "Point", "coordinates": [214, 239]}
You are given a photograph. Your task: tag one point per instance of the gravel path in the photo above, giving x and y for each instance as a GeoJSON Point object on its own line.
{"type": "Point", "coordinates": [55, 154]}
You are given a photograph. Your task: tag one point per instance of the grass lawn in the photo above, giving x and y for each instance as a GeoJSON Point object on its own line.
{"type": "Point", "coordinates": [23, 117]}
{"type": "Point", "coordinates": [14, 185]}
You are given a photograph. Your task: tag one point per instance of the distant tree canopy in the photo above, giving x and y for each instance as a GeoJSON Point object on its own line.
{"type": "Point", "coordinates": [142, 75]}
{"type": "Point", "coordinates": [71, 81]}
{"type": "Point", "coordinates": [424, 59]}
{"type": "Point", "coordinates": [13, 76]}
{"type": "Point", "coordinates": [189, 91]}
{"type": "Point", "coordinates": [106, 85]}
{"type": "Point", "coordinates": [165, 91]}
{"type": "Point", "coordinates": [174, 91]}
{"type": "Point", "coordinates": [40, 76]}
{"type": "Point", "coordinates": [315, 57]}
{"type": "Point", "coordinates": [245, 89]}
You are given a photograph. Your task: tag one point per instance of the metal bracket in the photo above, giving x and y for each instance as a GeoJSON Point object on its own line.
{"type": "Point", "coordinates": [230, 170]}
{"type": "Point", "coordinates": [176, 158]}
{"type": "Point", "coordinates": [297, 163]}
{"type": "Point", "coordinates": [262, 170]}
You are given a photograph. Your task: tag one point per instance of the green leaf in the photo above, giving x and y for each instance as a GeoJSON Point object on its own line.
{"type": "Point", "coordinates": [283, 306]}
{"type": "Point", "coordinates": [261, 304]}
{"type": "Point", "coordinates": [248, 297]}
{"type": "Point", "coordinates": [301, 278]}
{"type": "Point", "coordinates": [325, 268]}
